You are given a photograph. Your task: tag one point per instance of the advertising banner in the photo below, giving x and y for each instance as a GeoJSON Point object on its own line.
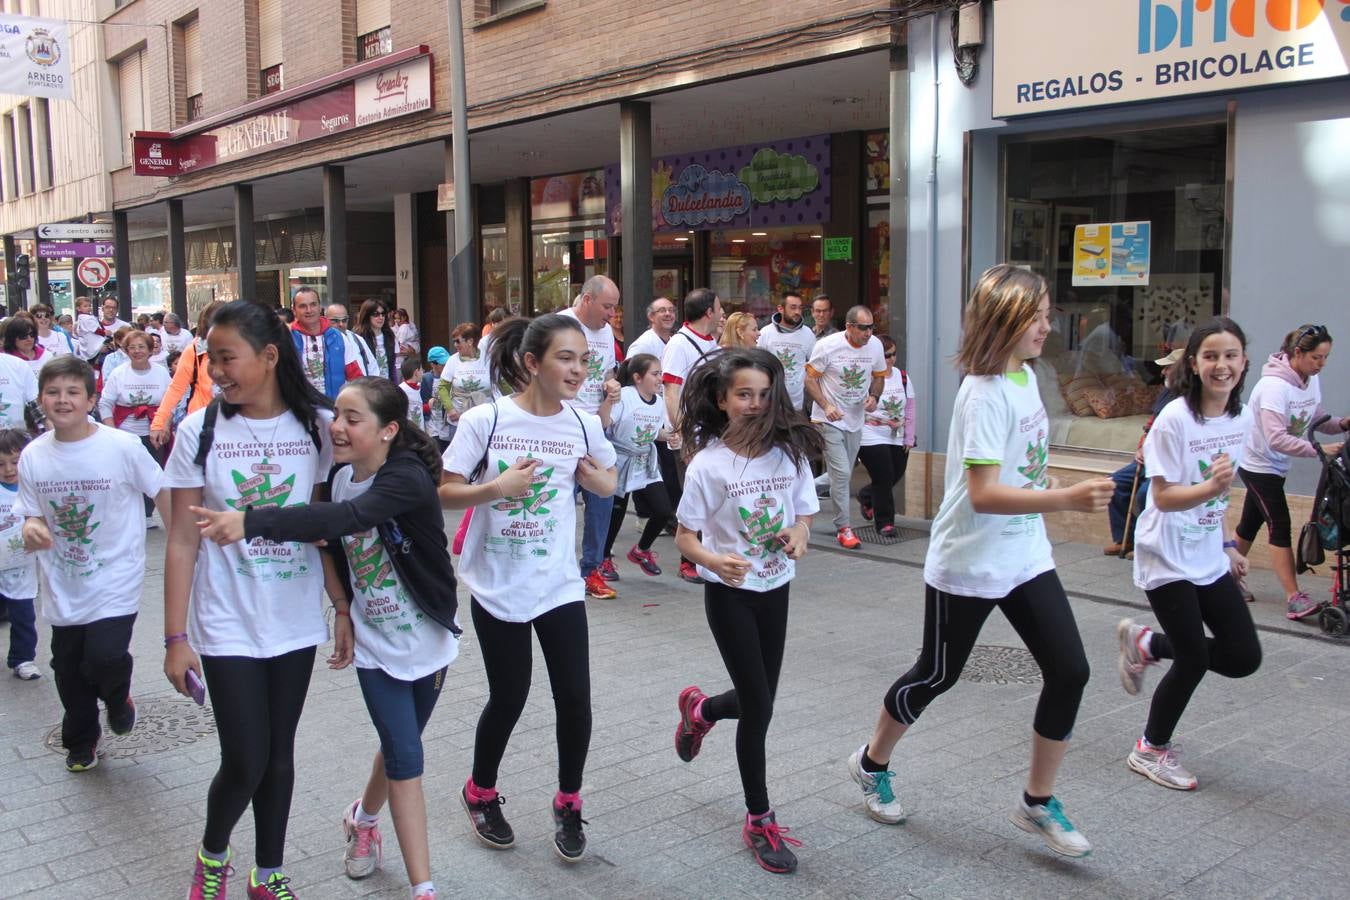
{"type": "Point", "coordinates": [1051, 56]}
{"type": "Point", "coordinates": [759, 185]}
{"type": "Point", "coordinates": [34, 57]}
{"type": "Point", "coordinates": [1118, 253]}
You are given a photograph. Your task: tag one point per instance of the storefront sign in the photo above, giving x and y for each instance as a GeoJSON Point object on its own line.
{"type": "Point", "coordinates": [1111, 254]}
{"type": "Point", "coordinates": [390, 93]}
{"type": "Point", "coordinates": [839, 248]}
{"type": "Point", "coordinates": [445, 197]}
{"type": "Point", "coordinates": [75, 231]}
{"type": "Point", "coordinates": [34, 57]}
{"type": "Point", "coordinates": [782, 183]}
{"type": "Point", "coordinates": [1051, 56]}
{"type": "Point", "coordinates": [55, 250]}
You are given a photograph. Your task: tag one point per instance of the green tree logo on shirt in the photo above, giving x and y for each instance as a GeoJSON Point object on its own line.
{"type": "Point", "coordinates": [644, 436]}
{"type": "Point", "coordinates": [1038, 456]}
{"type": "Point", "coordinates": [853, 377]}
{"type": "Point", "coordinates": [762, 524]}
{"type": "Point", "coordinates": [595, 367]}
{"type": "Point", "coordinates": [894, 409]}
{"type": "Point", "coordinates": [787, 358]}
{"type": "Point", "coordinates": [15, 543]}
{"type": "Point", "coordinates": [72, 519]}
{"type": "Point", "coordinates": [470, 385]}
{"type": "Point", "coordinates": [258, 490]}
{"type": "Point", "coordinates": [1206, 473]}
{"type": "Point", "coordinates": [532, 503]}
{"type": "Point", "coordinates": [369, 565]}
{"type": "Point", "coordinates": [139, 398]}
{"type": "Point", "coordinates": [1298, 425]}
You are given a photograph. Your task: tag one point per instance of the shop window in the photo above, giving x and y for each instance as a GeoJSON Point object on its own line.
{"type": "Point", "coordinates": [567, 215]}
{"type": "Point", "coordinates": [493, 242]}
{"type": "Point", "coordinates": [1128, 230]}
{"type": "Point", "coordinates": [751, 269]}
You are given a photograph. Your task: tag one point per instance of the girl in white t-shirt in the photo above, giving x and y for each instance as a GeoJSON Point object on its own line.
{"type": "Point", "coordinates": [395, 568]}
{"type": "Point", "coordinates": [406, 338]}
{"type": "Point", "coordinates": [748, 489]}
{"type": "Point", "coordinates": [1181, 559]}
{"type": "Point", "coordinates": [989, 551]}
{"type": "Point", "coordinates": [131, 395]}
{"type": "Point", "coordinates": [517, 463]}
{"type": "Point", "coordinates": [256, 613]}
{"type": "Point", "coordinates": [1285, 403]}
{"type": "Point", "coordinates": [636, 423]}
{"type": "Point", "coordinates": [887, 435]}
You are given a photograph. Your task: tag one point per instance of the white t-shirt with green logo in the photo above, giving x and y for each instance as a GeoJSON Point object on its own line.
{"type": "Point", "coordinates": [1186, 545]}
{"type": "Point", "coordinates": [634, 425]}
{"type": "Point", "coordinates": [254, 598]}
{"type": "Point", "coordinates": [1297, 404]}
{"type": "Point", "coordinates": [996, 420]}
{"type": "Point", "coordinates": [89, 492]}
{"type": "Point", "coordinates": [18, 570]}
{"type": "Point", "coordinates": [896, 394]}
{"type": "Point", "coordinates": [126, 386]}
{"type": "Point", "coordinates": [845, 376]}
{"type": "Point", "coordinates": [392, 633]}
{"type": "Point", "coordinates": [599, 366]}
{"type": "Point", "coordinates": [470, 381]}
{"type": "Point", "coordinates": [18, 385]}
{"type": "Point", "coordinates": [740, 505]}
{"type": "Point", "coordinates": [793, 349]}
{"type": "Point", "coordinates": [519, 558]}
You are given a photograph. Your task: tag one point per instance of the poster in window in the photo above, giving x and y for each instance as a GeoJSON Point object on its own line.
{"type": "Point", "coordinates": [877, 147]}
{"type": "Point", "coordinates": [1028, 232]}
{"type": "Point", "coordinates": [1111, 254]}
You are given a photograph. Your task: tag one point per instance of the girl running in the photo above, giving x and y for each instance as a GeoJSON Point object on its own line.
{"type": "Point", "coordinates": [1284, 403]}
{"type": "Point", "coordinates": [132, 393]}
{"type": "Point", "coordinates": [887, 435]}
{"type": "Point", "coordinates": [748, 489]}
{"type": "Point", "coordinates": [395, 569]}
{"type": "Point", "coordinates": [1181, 559]}
{"type": "Point", "coordinates": [256, 613]}
{"type": "Point", "coordinates": [637, 421]}
{"type": "Point", "coordinates": [989, 551]}
{"type": "Point", "coordinates": [517, 461]}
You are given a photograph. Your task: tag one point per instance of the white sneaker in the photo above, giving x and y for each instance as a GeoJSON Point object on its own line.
{"type": "Point", "coordinates": [1053, 826]}
{"type": "Point", "coordinates": [878, 796]}
{"type": "Point", "coordinates": [365, 847]}
{"type": "Point", "coordinates": [27, 671]}
{"type": "Point", "coordinates": [1132, 660]}
{"type": "Point", "coordinates": [1161, 765]}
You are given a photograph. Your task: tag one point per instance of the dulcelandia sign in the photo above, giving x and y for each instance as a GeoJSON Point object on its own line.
{"type": "Point", "coordinates": [1051, 56]}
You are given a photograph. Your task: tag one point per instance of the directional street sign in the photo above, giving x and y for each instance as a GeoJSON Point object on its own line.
{"type": "Point", "coordinates": [56, 250]}
{"type": "Point", "coordinates": [93, 273]}
{"type": "Point", "coordinates": [76, 231]}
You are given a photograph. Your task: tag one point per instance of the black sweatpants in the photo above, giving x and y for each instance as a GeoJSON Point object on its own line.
{"type": "Point", "coordinates": [750, 629]}
{"type": "Point", "coordinates": [886, 464]}
{"type": "Point", "coordinates": [91, 663]}
{"type": "Point", "coordinates": [507, 657]}
{"type": "Point", "coordinates": [1040, 613]}
{"type": "Point", "coordinates": [257, 704]}
{"type": "Point", "coordinates": [159, 455]}
{"type": "Point", "coordinates": [659, 513]}
{"type": "Point", "coordinates": [1183, 610]}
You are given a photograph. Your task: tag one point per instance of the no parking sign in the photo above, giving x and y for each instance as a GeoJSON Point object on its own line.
{"type": "Point", "coordinates": [93, 272]}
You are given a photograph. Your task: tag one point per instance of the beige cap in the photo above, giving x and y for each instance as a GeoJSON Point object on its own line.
{"type": "Point", "coordinates": [1172, 358]}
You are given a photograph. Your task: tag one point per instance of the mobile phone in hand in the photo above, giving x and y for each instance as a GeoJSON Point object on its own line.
{"type": "Point", "coordinates": [196, 689]}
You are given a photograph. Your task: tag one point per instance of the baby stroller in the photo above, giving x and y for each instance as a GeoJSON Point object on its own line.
{"type": "Point", "coordinates": [1329, 529]}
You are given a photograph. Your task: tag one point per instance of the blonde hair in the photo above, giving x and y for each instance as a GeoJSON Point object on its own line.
{"type": "Point", "coordinates": [1001, 308]}
{"type": "Point", "coordinates": [731, 331]}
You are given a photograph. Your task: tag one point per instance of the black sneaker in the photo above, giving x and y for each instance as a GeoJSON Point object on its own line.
{"type": "Point", "coordinates": [82, 760]}
{"type": "Point", "coordinates": [769, 843]}
{"type": "Point", "coordinates": [568, 838]}
{"type": "Point", "coordinates": [122, 722]}
{"type": "Point", "coordinates": [488, 822]}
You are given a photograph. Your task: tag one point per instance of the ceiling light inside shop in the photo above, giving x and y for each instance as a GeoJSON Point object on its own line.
{"type": "Point", "coordinates": [816, 236]}
{"type": "Point", "coordinates": [738, 240]}
{"type": "Point", "coordinates": [682, 239]}
{"type": "Point", "coordinates": [759, 234]}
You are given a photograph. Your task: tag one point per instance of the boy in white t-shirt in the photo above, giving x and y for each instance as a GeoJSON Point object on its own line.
{"type": "Point", "coordinates": [410, 370]}
{"type": "Point", "coordinates": [18, 570]}
{"type": "Point", "coordinates": [78, 489]}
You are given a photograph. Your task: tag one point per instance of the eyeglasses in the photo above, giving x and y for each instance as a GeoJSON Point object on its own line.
{"type": "Point", "coordinates": [1310, 330]}
{"type": "Point", "coordinates": [890, 355]}
{"type": "Point", "coordinates": [340, 320]}
{"type": "Point", "coordinates": [862, 327]}
{"type": "Point", "coordinates": [378, 315]}
{"type": "Point", "coordinates": [41, 315]}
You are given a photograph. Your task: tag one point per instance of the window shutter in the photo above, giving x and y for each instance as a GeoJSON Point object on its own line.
{"type": "Point", "coordinates": [371, 15]}
{"type": "Point", "coordinates": [131, 95]}
{"type": "Point", "coordinates": [270, 26]}
{"type": "Point", "coordinates": [192, 56]}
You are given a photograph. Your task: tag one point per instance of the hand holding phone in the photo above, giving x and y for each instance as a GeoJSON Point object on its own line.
{"type": "Point", "coordinates": [196, 689]}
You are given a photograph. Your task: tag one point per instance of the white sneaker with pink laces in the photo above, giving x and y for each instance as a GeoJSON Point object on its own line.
{"type": "Point", "coordinates": [365, 847]}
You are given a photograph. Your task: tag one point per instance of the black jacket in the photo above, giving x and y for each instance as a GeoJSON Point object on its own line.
{"type": "Point", "coordinates": [403, 505]}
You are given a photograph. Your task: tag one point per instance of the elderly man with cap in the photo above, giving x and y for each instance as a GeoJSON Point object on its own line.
{"type": "Point", "coordinates": [1130, 478]}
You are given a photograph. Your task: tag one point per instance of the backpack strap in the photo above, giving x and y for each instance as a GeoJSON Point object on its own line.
{"type": "Point", "coordinates": [479, 469]}
{"type": "Point", "coordinates": [586, 438]}
{"type": "Point", "coordinates": [702, 354]}
{"type": "Point", "coordinates": [208, 433]}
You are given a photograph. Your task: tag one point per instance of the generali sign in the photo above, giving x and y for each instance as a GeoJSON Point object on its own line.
{"type": "Point", "coordinates": [389, 93]}
{"type": "Point", "coordinates": [1051, 55]}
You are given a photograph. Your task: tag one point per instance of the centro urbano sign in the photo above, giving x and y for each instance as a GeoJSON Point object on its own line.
{"type": "Point", "coordinates": [1122, 51]}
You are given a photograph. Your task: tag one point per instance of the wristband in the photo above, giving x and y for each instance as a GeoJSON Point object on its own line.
{"type": "Point", "coordinates": [1230, 545]}
{"type": "Point", "coordinates": [174, 639]}
{"type": "Point", "coordinates": [342, 612]}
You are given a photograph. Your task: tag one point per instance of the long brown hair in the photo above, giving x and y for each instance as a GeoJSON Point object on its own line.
{"type": "Point", "coordinates": [1001, 308]}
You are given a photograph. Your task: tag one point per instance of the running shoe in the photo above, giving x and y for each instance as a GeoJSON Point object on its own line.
{"type": "Point", "coordinates": [689, 572]}
{"type": "Point", "coordinates": [597, 587]}
{"type": "Point", "coordinates": [644, 560]}
{"type": "Point", "coordinates": [209, 878]}
{"type": "Point", "coordinates": [1301, 606]}
{"type": "Point", "coordinates": [847, 539]}
{"type": "Point", "coordinates": [878, 796]}
{"type": "Point", "coordinates": [569, 840]}
{"type": "Point", "coordinates": [83, 759]}
{"type": "Point", "coordinates": [887, 531]}
{"type": "Point", "coordinates": [426, 895]}
{"type": "Point", "coordinates": [365, 846]}
{"type": "Point", "coordinates": [769, 842]}
{"type": "Point", "coordinates": [1161, 765]}
{"type": "Point", "coordinates": [867, 512]}
{"type": "Point", "coordinates": [1133, 662]}
{"type": "Point", "coordinates": [689, 733]}
{"type": "Point", "coordinates": [276, 887]}
{"type": "Point", "coordinates": [607, 570]}
{"type": "Point", "coordinates": [489, 825]}
{"type": "Point", "coordinates": [27, 671]}
{"type": "Point", "coordinates": [1053, 826]}
{"type": "Point", "coordinates": [123, 721]}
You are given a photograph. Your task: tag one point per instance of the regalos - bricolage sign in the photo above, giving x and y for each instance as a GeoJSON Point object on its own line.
{"type": "Point", "coordinates": [1052, 55]}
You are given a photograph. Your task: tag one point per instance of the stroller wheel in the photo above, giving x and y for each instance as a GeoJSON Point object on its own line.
{"type": "Point", "coordinates": [1334, 621]}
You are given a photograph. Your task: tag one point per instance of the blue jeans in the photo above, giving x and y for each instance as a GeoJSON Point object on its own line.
{"type": "Point", "coordinates": [1119, 507]}
{"type": "Point", "coordinates": [400, 710]}
{"type": "Point", "coordinates": [594, 530]}
{"type": "Point", "coordinates": [22, 630]}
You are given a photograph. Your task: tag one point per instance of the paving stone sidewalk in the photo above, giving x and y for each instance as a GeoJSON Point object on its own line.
{"type": "Point", "coordinates": [1271, 753]}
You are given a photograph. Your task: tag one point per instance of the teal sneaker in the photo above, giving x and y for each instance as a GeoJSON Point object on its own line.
{"type": "Point", "coordinates": [1053, 826]}
{"type": "Point", "coordinates": [878, 796]}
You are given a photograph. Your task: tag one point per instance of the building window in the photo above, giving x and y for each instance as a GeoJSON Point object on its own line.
{"type": "Point", "coordinates": [42, 143]}
{"type": "Point", "coordinates": [498, 7]}
{"type": "Point", "coordinates": [23, 140]}
{"type": "Point", "coordinates": [1143, 271]}
{"type": "Point", "coordinates": [131, 96]}
{"type": "Point", "coordinates": [373, 38]}
{"type": "Point", "coordinates": [7, 132]}
{"type": "Point", "coordinates": [271, 27]}
{"type": "Point", "coordinates": [192, 69]}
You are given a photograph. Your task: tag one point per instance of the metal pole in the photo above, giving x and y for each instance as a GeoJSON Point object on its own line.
{"type": "Point", "coordinates": [122, 262]}
{"type": "Point", "coordinates": [464, 268]}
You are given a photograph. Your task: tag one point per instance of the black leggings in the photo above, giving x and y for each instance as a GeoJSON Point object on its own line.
{"type": "Point", "coordinates": [1265, 504]}
{"type": "Point", "coordinates": [1040, 613]}
{"type": "Point", "coordinates": [657, 504]}
{"type": "Point", "coordinates": [257, 704]}
{"type": "Point", "coordinates": [506, 649]}
{"type": "Point", "coordinates": [1183, 610]}
{"type": "Point", "coordinates": [886, 464]}
{"type": "Point", "coordinates": [158, 455]}
{"type": "Point", "coordinates": [750, 629]}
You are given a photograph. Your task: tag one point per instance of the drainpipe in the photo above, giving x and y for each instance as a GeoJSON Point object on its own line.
{"type": "Point", "coordinates": [933, 309]}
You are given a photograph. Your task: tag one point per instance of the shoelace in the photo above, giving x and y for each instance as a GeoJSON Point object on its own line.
{"type": "Point", "coordinates": [210, 878]}
{"type": "Point", "coordinates": [882, 780]}
{"type": "Point", "coordinates": [1171, 755]}
{"type": "Point", "coordinates": [279, 885]}
{"type": "Point", "coordinates": [365, 836]}
{"type": "Point", "coordinates": [775, 834]}
{"type": "Point", "coordinates": [571, 817]}
{"type": "Point", "coordinates": [1056, 812]}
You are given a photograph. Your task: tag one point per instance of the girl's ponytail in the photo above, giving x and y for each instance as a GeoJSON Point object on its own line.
{"type": "Point", "coordinates": [636, 366]}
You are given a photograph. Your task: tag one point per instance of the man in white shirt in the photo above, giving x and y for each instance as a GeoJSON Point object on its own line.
{"type": "Point", "coordinates": [594, 309]}
{"type": "Point", "coordinates": [661, 318]}
{"type": "Point", "coordinates": [174, 336]}
{"type": "Point", "coordinates": [340, 319]}
{"type": "Point", "coordinates": [110, 320]}
{"type": "Point", "coordinates": [787, 338]}
{"type": "Point", "coordinates": [844, 379]}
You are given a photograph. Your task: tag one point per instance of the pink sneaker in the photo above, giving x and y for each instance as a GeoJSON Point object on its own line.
{"type": "Point", "coordinates": [278, 887]}
{"type": "Point", "coordinates": [365, 847]}
{"type": "Point", "coordinates": [644, 560]}
{"type": "Point", "coordinates": [209, 878]}
{"type": "Point", "coordinates": [689, 733]}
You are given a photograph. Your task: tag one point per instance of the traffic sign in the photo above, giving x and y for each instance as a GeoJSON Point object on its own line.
{"type": "Point", "coordinates": [75, 231]}
{"type": "Point", "coordinates": [93, 272]}
{"type": "Point", "coordinates": [58, 250]}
